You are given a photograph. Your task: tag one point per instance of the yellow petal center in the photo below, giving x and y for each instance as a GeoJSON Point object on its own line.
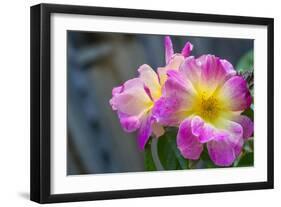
{"type": "Point", "coordinates": [209, 108]}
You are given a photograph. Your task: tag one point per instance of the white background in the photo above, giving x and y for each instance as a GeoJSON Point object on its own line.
{"type": "Point", "coordinates": [14, 102]}
{"type": "Point", "coordinates": [121, 181]}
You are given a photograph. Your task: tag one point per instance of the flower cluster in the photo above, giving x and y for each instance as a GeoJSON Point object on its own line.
{"type": "Point", "coordinates": [204, 97]}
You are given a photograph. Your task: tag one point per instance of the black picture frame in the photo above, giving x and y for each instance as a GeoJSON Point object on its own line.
{"type": "Point", "coordinates": [41, 99]}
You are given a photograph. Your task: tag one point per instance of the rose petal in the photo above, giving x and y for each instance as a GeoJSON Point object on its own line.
{"type": "Point", "coordinates": [151, 81]}
{"type": "Point", "coordinates": [176, 101]}
{"type": "Point", "coordinates": [221, 152]}
{"type": "Point", "coordinates": [169, 51]}
{"type": "Point", "coordinates": [235, 94]}
{"type": "Point", "coordinates": [228, 67]}
{"type": "Point", "coordinates": [204, 131]}
{"type": "Point", "coordinates": [187, 143]}
{"type": "Point", "coordinates": [174, 64]}
{"type": "Point", "coordinates": [192, 70]}
{"type": "Point", "coordinates": [247, 124]}
{"type": "Point", "coordinates": [226, 145]}
{"type": "Point", "coordinates": [178, 85]}
{"type": "Point", "coordinates": [117, 90]}
{"type": "Point", "coordinates": [145, 131]}
{"type": "Point", "coordinates": [129, 123]}
{"type": "Point", "coordinates": [133, 100]}
{"type": "Point", "coordinates": [169, 112]}
{"type": "Point", "coordinates": [213, 74]}
{"type": "Point", "coordinates": [187, 49]}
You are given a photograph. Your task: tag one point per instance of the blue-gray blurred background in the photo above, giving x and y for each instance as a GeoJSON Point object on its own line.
{"type": "Point", "coordinates": [99, 61]}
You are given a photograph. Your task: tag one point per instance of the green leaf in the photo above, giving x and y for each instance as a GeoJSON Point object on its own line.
{"type": "Point", "coordinates": [168, 153]}
{"type": "Point", "coordinates": [207, 162]}
{"type": "Point", "coordinates": [194, 164]}
{"type": "Point", "coordinates": [172, 138]}
{"type": "Point", "coordinates": [245, 159]}
{"type": "Point", "coordinates": [245, 67]}
{"type": "Point", "coordinates": [246, 63]}
{"type": "Point", "coordinates": [249, 145]}
{"type": "Point", "coordinates": [249, 113]}
{"type": "Point", "coordinates": [148, 159]}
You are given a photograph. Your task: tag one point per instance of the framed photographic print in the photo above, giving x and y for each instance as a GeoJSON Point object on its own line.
{"type": "Point", "coordinates": [133, 103]}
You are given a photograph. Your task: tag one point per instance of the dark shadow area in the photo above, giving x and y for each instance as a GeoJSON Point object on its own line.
{"type": "Point", "coordinates": [24, 195]}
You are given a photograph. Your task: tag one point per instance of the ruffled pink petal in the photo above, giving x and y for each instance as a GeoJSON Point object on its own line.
{"type": "Point", "coordinates": [204, 131]}
{"type": "Point", "coordinates": [117, 90]}
{"type": "Point", "coordinates": [247, 124]}
{"type": "Point", "coordinates": [228, 67]}
{"type": "Point", "coordinates": [151, 81]}
{"type": "Point", "coordinates": [236, 138]}
{"type": "Point", "coordinates": [178, 86]}
{"type": "Point", "coordinates": [213, 73]}
{"type": "Point", "coordinates": [221, 152]}
{"type": "Point", "coordinates": [191, 69]}
{"type": "Point", "coordinates": [169, 51]}
{"type": "Point", "coordinates": [176, 100]}
{"type": "Point", "coordinates": [226, 145]}
{"type": "Point", "coordinates": [187, 143]}
{"type": "Point", "coordinates": [187, 49]}
{"type": "Point", "coordinates": [162, 73]}
{"type": "Point", "coordinates": [174, 64]}
{"type": "Point", "coordinates": [129, 123]}
{"type": "Point", "coordinates": [145, 131]}
{"type": "Point", "coordinates": [133, 100]}
{"type": "Point", "coordinates": [168, 111]}
{"type": "Point", "coordinates": [235, 94]}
